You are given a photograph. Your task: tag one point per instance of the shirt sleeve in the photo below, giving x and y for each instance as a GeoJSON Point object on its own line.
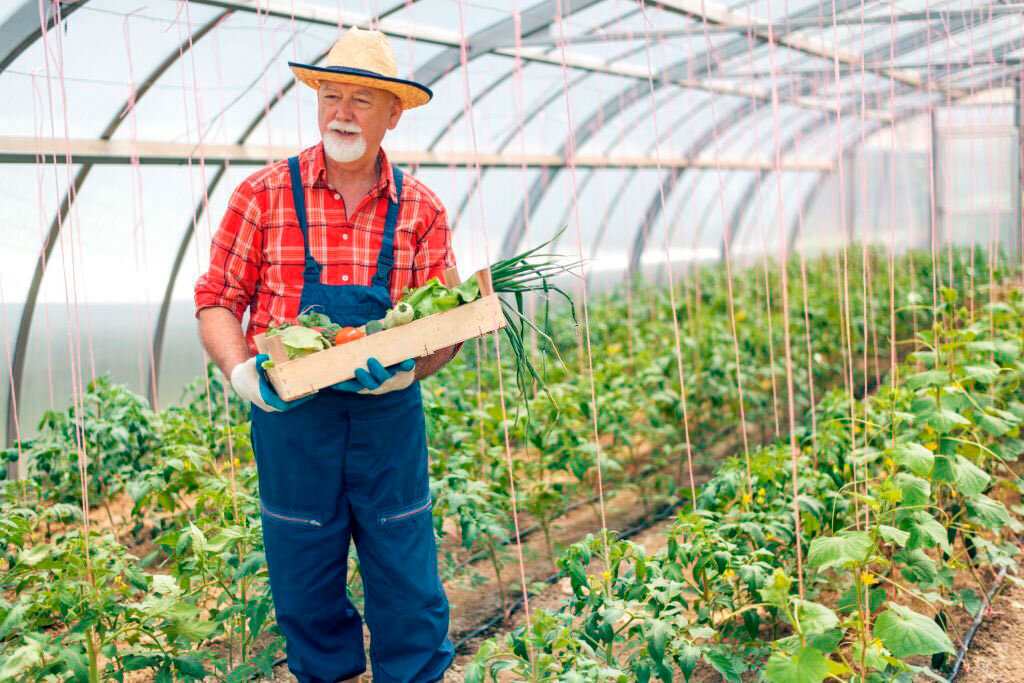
{"type": "Point", "coordinates": [434, 250]}
{"type": "Point", "coordinates": [235, 256]}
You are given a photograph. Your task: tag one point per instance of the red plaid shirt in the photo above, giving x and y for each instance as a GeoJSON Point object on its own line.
{"type": "Point", "coordinates": [257, 258]}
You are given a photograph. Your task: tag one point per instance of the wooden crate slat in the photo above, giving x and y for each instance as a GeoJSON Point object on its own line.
{"type": "Point", "coordinates": [302, 376]}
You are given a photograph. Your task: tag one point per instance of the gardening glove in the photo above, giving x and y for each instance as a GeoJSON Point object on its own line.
{"type": "Point", "coordinates": [377, 379]}
{"type": "Point", "coordinates": [249, 380]}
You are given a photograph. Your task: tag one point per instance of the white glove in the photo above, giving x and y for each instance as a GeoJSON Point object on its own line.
{"type": "Point", "coordinates": [245, 379]}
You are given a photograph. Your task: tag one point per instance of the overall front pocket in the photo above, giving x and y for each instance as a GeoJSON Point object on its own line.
{"type": "Point", "coordinates": [298, 519]}
{"type": "Point", "coordinates": [406, 512]}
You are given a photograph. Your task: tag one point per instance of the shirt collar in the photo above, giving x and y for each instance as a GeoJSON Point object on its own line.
{"type": "Point", "coordinates": [317, 170]}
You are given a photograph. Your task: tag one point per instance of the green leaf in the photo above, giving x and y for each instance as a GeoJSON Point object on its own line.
{"type": "Point", "coordinates": [848, 601]}
{"type": "Point", "coordinates": [893, 535]}
{"type": "Point", "coordinates": [808, 666]}
{"type": "Point", "coordinates": [968, 477]}
{"type": "Point", "coordinates": [928, 378]}
{"type": "Point", "coordinates": [827, 641]}
{"type": "Point", "coordinates": [190, 665]}
{"type": "Point", "coordinates": [658, 635]}
{"type": "Point", "coordinates": [906, 633]}
{"type": "Point", "coordinates": [925, 531]}
{"type": "Point", "coordinates": [983, 373]}
{"type": "Point", "coordinates": [813, 617]}
{"type": "Point", "coordinates": [915, 490]}
{"type": "Point", "coordinates": [914, 457]}
{"type": "Point", "coordinates": [777, 591]}
{"type": "Point", "coordinates": [76, 662]}
{"type": "Point", "coordinates": [845, 549]}
{"type": "Point", "coordinates": [25, 657]}
{"type": "Point", "coordinates": [723, 664]}
{"type": "Point", "coordinates": [989, 513]}
{"type": "Point", "coordinates": [686, 659]}
{"type": "Point", "coordinates": [918, 567]}
{"type": "Point", "coordinates": [992, 424]}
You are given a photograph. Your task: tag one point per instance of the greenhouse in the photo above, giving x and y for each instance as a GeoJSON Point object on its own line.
{"type": "Point", "coordinates": [488, 340]}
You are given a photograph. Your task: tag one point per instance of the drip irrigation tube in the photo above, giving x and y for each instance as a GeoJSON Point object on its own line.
{"type": "Point", "coordinates": [491, 624]}
{"type": "Point", "coordinates": [969, 636]}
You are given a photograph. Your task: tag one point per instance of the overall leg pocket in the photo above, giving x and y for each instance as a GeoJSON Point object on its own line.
{"type": "Point", "coordinates": [300, 519]}
{"type": "Point", "coordinates": [391, 517]}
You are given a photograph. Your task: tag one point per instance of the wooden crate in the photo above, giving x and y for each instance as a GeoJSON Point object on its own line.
{"type": "Point", "coordinates": [303, 376]}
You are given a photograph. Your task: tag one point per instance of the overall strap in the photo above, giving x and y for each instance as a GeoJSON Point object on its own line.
{"type": "Point", "coordinates": [311, 272]}
{"type": "Point", "coordinates": [386, 257]}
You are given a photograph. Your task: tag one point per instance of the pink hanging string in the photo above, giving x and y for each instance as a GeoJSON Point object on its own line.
{"type": "Point", "coordinates": [570, 150]}
{"type": "Point", "coordinates": [668, 260]}
{"type": "Point", "coordinates": [794, 451]}
{"type": "Point", "coordinates": [40, 164]}
{"type": "Point", "coordinates": [70, 291]}
{"type": "Point", "coordinates": [470, 120]}
{"type": "Point", "coordinates": [143, 308]}
{"type": "Point", "coordinates": [727, 248]}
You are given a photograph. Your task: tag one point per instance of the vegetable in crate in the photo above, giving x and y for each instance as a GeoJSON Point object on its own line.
{"type": "Point", "coordinates": [299, 341]}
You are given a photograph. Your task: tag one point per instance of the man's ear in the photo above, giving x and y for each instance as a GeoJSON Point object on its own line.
{"type": "Point", "coordinates": [396, 112]}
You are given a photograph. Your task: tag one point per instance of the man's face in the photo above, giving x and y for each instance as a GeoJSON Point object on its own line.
{"type": "Point", "coordinates": [353, 120]}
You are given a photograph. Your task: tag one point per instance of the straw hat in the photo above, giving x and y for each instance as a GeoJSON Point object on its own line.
{"type": "Point", "coordinates": [364, 58]}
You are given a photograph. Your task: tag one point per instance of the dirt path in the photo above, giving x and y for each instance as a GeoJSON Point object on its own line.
{"type": "Point", "coordinates": [995, 653]}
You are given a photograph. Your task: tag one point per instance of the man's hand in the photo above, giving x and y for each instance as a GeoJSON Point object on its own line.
{"type": "Point", "coordinates": [377, 379]}
{"type": "Point", "coordinates": [249, 379]}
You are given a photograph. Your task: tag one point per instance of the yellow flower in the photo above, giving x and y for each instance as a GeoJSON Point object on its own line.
{"type": "Point", "coordinates": [807, 449]}
{"type": "Point", "coordinates": [606, 576]}
{"type": "Point", "coordinates": [890, 463]}
{"type": "Point", "coordinates": [747, 498]}
{"type": "Point", "coordinates": [238, 463]}
{"type": "Point", "coordinates": [439, 391]}
{"type": "Point", "coordinates": [856, 429]}
{"type": "Point", "coordinates": [761, 492]}
{"type": "Point", "coordinates": [728, 575]}
{"type": "Point", "coordinates": [877, 644]}
{"type": "Point", "coordinates": [932, 446]}
{"type": "Point", "coordinates": [868, 578]}
{"type": "Point", "coordinates": [760, 500]}
{"type": "Point", "coordinates": [928, 429]}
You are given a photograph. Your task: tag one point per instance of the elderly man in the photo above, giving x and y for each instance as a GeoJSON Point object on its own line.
{"type": "Point", "coordinates": [340, 229]}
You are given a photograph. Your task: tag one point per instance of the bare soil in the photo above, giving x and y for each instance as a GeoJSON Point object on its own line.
{"type": "Point", "coordinates": [995, 652]}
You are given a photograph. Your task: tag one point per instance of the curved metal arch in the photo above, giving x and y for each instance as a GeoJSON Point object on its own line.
{"type": "Point", "coordinates": [747, 196]}
{"type": "Point", "coordinates": [612, 107]}
{"type": "Point", "coordinates": [477, 180]}
{"type": "Point", "coordinates": [904, 44]}
{"type": "Point", "coordinates": [27, 313]}
{"type": "Point", "coordinates": [24, 26]}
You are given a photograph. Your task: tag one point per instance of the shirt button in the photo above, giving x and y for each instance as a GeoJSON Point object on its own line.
{"type": "Point", "coordinates": [344, 236]}
{"type": "Point", "coordinates": [337, 196]}
{"type": "Point", "coordinates": [344, 278]}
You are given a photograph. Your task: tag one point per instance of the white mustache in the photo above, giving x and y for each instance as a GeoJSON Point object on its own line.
{"type": "Point", "coordinates": [344, 127]}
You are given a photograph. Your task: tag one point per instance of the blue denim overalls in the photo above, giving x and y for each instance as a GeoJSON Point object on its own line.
{"type": "Point", "coordinates": [348, 466]}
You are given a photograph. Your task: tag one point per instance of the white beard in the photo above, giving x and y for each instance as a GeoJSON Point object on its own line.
{"type": "Point", "coordinates": [341, 150]}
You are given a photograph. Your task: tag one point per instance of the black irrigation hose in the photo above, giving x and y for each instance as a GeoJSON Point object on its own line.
{"type": "Point", "coordinates": [492, 624]}
{"type": "Point", "coordinates": [973, 630]}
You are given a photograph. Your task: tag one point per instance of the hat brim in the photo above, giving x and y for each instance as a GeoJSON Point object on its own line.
{"type": "Point", "coordinates": [411, 93]}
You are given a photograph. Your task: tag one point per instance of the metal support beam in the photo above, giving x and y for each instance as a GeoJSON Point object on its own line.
{"type": "Point", "coordinates": [325, 16]}
{"type": "Point", "coordinates": [697, 29]}
{"type": "Point", "coordinates": [89, 151]}
{"type": "Point", "coordinates": [713, 13]}
{"type": "Point", "coordinates": [908, 43]}
{"type": "Point", "coordinates": [704, 63]}
{"type": "Point", "coordinates": [25, 324]}
{"type": "Point", "coordinates": [24, 26]}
